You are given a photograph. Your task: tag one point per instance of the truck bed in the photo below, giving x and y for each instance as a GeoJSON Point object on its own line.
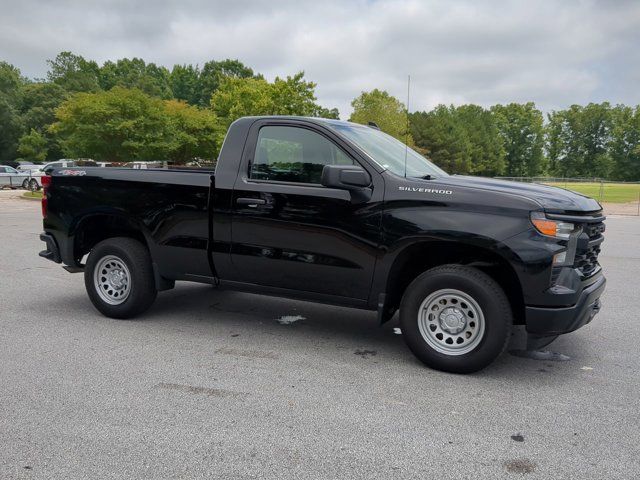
{"type": "Point", "coordinates": [169, 207]}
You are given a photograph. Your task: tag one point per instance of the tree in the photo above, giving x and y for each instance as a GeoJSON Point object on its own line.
{"type": "Point", "coordinates": [322, 112]}
{"type": "Point", "coordinates": [596, 138]}
{"type": "Point", "coordinates": [239, 97]}
{"type": "Point", "coordinates": [39, 102]}
{"type": "Point", "coordinates": [11, 128]}
{"type": "Point", "coordinates": [10, 79]}
{"type": "Point", "coordinates": [462, 139]}
{"type": "Point", "coordinates": [135, 73]}
{"type": "Point", "coordinates": [625, 143]}
{"type": "Point", "coordinates": [578, 141]}
{"type": "Point", "coordinates": [194, 130]}
{"type": "Point", "coordinates": [487, 153]}
{"type": "Point", "coordinates": [117, 125]}
{"type": "Point", "coordinates": [385, 110]}
{"type": "Point", "coordinates": [123, 125]}
{"type": "Point", "coordinates": [185, 84]}
{"type": "Point", "coordinates": [33, 147]}
{"type": "Point", "coordinates": [214, 73]}
{"type": "Point", "coordinates": [294, 96]}
{"type": "Point", "coordinates": [74, 73]}
{"type": "Point", "coordinates": [522, 131]}
{"type": "Point", "coordinates": [443, 139]}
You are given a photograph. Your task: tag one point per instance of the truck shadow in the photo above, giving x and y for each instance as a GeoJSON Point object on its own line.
{"type": "Point", "coordinates": [325, 326]}
{"type": "Point", "coordinates": [243, 312]}
{"type": "Point", "coordinates": [255, 323]}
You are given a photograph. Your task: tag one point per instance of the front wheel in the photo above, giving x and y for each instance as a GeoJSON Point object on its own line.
{"type": "Point", "coordinates": [25, 184]}
{"type": "Point", "coordinates": [34, 185]}
{"type": "Point", "coordinates": [455, 318]}
{"type": "Point", "coordinates": [119, 278]}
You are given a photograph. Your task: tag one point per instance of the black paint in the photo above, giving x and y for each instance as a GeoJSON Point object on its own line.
{"type": "Point", "coordinates": [325, 244]}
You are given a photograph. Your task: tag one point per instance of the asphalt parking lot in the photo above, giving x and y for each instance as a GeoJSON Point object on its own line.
{"type": "Point", "coordinates": [210, 384]}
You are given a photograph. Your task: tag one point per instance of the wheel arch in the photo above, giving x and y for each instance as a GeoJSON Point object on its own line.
{"type": "Point", "coordinates": [420, 255]}
{"type": "Point", "coordinates": [93, 228]}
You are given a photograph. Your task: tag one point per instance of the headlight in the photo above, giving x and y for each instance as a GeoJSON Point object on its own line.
{"type": "Point", "coordinates": [553, 228]}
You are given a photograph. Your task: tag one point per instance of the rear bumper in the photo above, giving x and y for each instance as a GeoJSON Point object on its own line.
{"type": "Point", "coordinates": [52, 251]}
{"type": "Point", "coordinates": [555, 321]}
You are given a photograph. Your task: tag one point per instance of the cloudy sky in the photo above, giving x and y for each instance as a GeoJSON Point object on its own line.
{"type": "Point", "coordinates": [554, 53]}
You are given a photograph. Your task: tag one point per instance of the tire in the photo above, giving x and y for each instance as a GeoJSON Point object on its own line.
{"type": "Point", "coordinates": [25, 184]}
{"type": "Point", "coordinates": [119, 278]}
{"type": "Point", "coordinates": [455, 318]}
{"type": "Point", "coordinates": [34, 185]}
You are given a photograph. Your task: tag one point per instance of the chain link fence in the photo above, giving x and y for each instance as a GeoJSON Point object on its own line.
{"type": "Point", "coordinates": [617, 198]}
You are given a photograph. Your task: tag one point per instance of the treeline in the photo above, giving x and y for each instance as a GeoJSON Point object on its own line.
{"type": "Point", "coordinates": [597, 140]}
{"type": "Point", "coordinates": [132, 110]}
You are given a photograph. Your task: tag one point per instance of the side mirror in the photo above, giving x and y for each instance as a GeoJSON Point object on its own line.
{"type": "Point", "coordinates": [352, 178]}
{"type": "Point", "coordinates": [345, 177]}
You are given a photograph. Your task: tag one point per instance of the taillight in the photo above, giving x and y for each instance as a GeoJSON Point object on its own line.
{"type": "Point", "coordinates": [45, 181]}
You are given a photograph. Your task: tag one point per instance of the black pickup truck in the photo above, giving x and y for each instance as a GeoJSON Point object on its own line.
{"type": "Point", "coordinates": [339, 213]}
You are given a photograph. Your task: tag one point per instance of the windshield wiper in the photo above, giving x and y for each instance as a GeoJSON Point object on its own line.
{"type": "Point", "coordinates": [426, 176]}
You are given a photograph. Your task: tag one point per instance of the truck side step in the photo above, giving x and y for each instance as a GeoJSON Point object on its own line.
{"type": "Point", "coordinates": [74, 269]}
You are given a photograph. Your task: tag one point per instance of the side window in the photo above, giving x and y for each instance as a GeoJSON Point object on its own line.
{"type": "Point", "coordinates": [3, 169]}
{"type": "Point", "coordinates": [292, 154]}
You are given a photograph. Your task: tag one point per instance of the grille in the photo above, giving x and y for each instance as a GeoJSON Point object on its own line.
{"type": "Point", "coordinates": [586, 259]}
{"type": "Point", "coordinates": [587, 262]}
{"type": "Point", "coordinates": [594, 230]}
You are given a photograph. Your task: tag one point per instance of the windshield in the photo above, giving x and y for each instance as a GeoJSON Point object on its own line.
{"type": "Point", "coordinates": [388, 152]}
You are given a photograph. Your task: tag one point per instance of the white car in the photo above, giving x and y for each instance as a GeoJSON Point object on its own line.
{"type": "Point", "coordinates": [49, 167]}
{"type": "Point", "coordinates": [12, 178]}
{"type": "Point", "coordinates": [29, 167]}
{"type": "Point", "coordinates": [65, 163]}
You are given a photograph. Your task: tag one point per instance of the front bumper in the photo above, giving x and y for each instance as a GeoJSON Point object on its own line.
{"type": "Point", "coordinates": [543, 321]}
{"type": "Point", "coordinates": [52, 252]}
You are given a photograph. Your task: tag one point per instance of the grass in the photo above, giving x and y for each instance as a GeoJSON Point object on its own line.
{"type": "Point", "coordinates": [33, 195]}
{"type": "Point", "coordinates": [611, 192]}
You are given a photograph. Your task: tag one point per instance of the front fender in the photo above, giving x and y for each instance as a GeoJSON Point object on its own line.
{"type": "Point", "coordinates": [413, 226]}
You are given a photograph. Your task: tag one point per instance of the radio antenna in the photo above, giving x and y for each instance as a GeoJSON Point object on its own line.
{"type": "Point", "coordinates": [406, 137]}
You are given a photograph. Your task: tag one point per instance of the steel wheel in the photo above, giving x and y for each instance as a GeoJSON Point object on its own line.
{"type": "Point", "coordinates": [112, 280]}
{"type": "Point", "coordinates": [451, 322]}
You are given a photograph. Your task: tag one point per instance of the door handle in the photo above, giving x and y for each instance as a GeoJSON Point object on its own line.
{"type": "Point", "coordinates": [251, 202]}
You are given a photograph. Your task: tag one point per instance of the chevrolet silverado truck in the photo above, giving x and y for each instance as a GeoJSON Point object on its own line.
{"type": "Point", "coordinates": [338, 213]}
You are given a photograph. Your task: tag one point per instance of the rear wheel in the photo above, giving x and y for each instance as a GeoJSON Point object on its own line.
{"type": "Point", "coordinates": [455, 318]}
{"type": "Point", "coordinates": [119, 278]}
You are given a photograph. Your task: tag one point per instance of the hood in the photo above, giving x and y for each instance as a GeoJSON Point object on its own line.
{"type": "Point", "coordinates": [551, 198]}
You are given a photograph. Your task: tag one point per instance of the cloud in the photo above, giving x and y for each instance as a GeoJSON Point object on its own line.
{"type": "Point", "coordinates": [553, 53]}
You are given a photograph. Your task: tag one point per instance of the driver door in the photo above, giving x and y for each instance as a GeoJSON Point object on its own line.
{"type": "Point", "coordinates": [289, 231]}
